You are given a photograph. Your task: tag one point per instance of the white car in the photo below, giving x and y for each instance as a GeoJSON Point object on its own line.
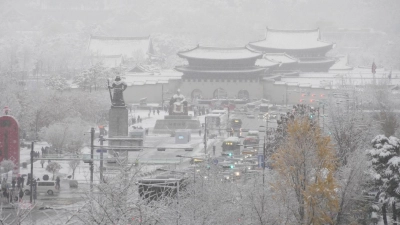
{"type": "Point", "coordinates": [48, 187]}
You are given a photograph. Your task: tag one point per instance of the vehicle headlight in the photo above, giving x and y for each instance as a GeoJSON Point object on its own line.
{"type": "Point", "coordinates": [237, 173]}
{"type": "Point", "coordinates": [227, 178]}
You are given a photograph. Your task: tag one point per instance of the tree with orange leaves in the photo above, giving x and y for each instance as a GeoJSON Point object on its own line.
{"type": "Point", "coordinates": [305, 164]}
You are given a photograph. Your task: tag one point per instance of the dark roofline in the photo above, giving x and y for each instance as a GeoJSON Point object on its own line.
{"type": "Point", "coordinates": [283, 54]}
{"type": "Point", "coordinates": [294, 31]}
{"type": "Point", "coordinates": [119, 38]}
{"type": "Point", "coordinates": [330, 44]}
{"type": "Point", "coordinates": [106, 56]}
{"type": "Point", "coordinates": [255, 69]}
{"type": "Point", "coordinates": [220, 48]}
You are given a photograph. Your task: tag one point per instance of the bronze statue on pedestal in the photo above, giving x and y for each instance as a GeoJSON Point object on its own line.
{"type": "Point", "coordinates": [119, 86]}
{"type": "Point", "coordinates": [178, 104]}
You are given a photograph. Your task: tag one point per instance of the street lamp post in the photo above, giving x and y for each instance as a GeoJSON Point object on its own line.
{"type": "Point", "coordinates": [31, 181]}
{"type": "Point", "coordinates": [91, 157]}
{"type": "Point", "coordinates": [205, 135]}
{"type": "Point", "coordinates": [101, 157]}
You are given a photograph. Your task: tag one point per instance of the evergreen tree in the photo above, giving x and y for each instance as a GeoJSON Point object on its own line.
{"type": "Point", "coordinates": [385, 164]}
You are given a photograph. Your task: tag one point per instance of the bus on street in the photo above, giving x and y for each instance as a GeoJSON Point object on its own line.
{"type": "Point", "coordinates": [231, 145]}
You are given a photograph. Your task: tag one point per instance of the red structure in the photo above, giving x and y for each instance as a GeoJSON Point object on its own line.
{"type": "Point", "coordinates": [9, 140]}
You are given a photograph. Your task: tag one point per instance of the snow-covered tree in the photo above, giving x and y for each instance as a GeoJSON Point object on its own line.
{"type": "Point", "coordinates": [94, 77]}
{"type": "Point", "coordinates": [385, 168]}
{"type": "Point", "coordinates": [349, 128]}
{"type": "Point", "coordinates": [118, 202]}
{"type": "Point", "coordinates": [386, 104]}
{"type": "Point", "coordinates": [73, 164]}
{"type": "Point", "coordinates": [66, 135]}
{"type": "Point", "coordinates": [53, 167]}
{"type": "Point", "coordinates": [7, 165]}
{"type": "Point", "coordinates": [58, 83]}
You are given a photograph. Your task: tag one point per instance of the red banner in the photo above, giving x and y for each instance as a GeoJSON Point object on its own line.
{"type": "Point", "coordinates": [9, 140]}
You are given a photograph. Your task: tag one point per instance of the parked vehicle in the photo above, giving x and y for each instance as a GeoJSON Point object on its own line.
{"type": "Point", "coordinates": [48, 187]}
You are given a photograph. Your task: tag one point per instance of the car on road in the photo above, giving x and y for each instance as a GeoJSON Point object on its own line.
{"type": "Point", "coordinates": [48, 187]}
{"type": "Point", "coordinates": [273, 115]}
{"type": "Point", "coordinates": [226, 176]}
{"type": "Point", "coordinates": [250, 116]}
{"type": "Point", "coordinates": [249, 151]}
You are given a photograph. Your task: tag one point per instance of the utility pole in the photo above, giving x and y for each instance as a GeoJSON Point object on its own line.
{"type": "Point", "coordinates": [323, 117]}
{"type": "Point", "coordinates": [162, 97]}
{"type": "Point", "coordinates": [91, 157]}
{"type": "Point", "coordinates": [205, 135]}
{"type": "Point", "coordinates": [101, 139]}
{"type": "Point", "coordinates": [264, 150]}
{"type": "Point", "coordinates": [30, 182]}
{"type": "Point", "coordinates": [227, 123]}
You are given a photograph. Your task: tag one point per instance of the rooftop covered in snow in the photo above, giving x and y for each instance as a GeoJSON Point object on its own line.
{"type": "Point", "coordinates": [128, 47]}
{"type": "Point", "coordinates": [220, 53]}
{"type": "Point", "coordinates": [293, 42]}
{"type": "Point", "coordinates": [341, 63]}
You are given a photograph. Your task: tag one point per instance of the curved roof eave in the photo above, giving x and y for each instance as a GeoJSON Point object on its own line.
{"type": "Point", "coordinates": [119, 38]}
{"type": "Point", "coordinates": [293, 31]}
{"type": "Point", "coordinates": [186, 69]}
{"type": "Point", "coordinates": [258, 53]}
{"type": "Point", "coordinates": [191, 57]}
{"type": "Point", "coordinates": [325, 61]}
{"type": "Point", "coordinates": [328, 45]}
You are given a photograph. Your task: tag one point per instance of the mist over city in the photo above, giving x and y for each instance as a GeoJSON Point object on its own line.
{"type": "Point", "coordinates": [200, 112]}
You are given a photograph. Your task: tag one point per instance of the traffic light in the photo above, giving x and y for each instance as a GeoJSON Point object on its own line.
{"type": "Point", "coordinates": [230, 154]}
{"type": "Point", "coordinates": [232, 166]}
{"type": "Point", "coordinates": [311, 116]}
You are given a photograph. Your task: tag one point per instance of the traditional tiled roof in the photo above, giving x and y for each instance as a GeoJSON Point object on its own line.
{"type": "Point", "coordinates": [291, 40]}
{"type": "Point", "coordinates": [315, 64]}
{"type": "Point", "coordinates": [218, 53]}
{"type": "Point", "coordinates": [160, 78]}
{"type": "Point", "coordinates": [264, 62]}
{"type": "Point", "coordinates": [141, 68]}
{"type": "Point", "coordinates": [254, 70]}
{"type": "Point", "coordinates": [129, 47]}
{"type": "Point", "coordinates": [280, 58]}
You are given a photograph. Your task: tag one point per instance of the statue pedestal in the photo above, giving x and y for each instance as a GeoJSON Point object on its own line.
{"type": "Point", "coordinates": [118, 121]}
{"type": "Point", "coordinates": [171, 123]}
{"type": "Point", "coordinates": [118, 138]}
{"type": "Point", "coordinates": [119, 145]}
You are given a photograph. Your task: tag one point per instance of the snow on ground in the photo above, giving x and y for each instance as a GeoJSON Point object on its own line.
{"type": "Point", "coordinates": [82, 172]}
